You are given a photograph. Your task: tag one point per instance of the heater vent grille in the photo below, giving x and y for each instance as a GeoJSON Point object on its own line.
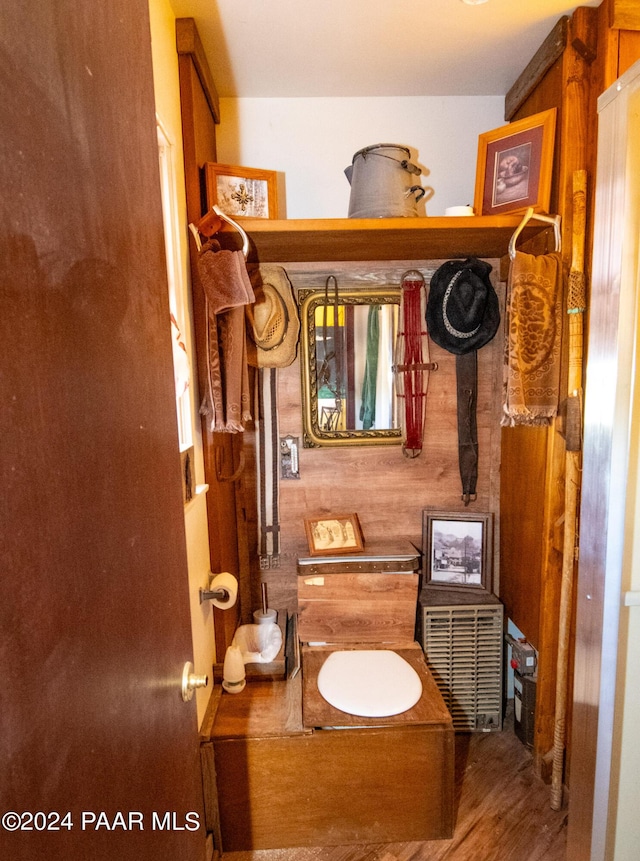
{"type": "Point", "coordinates": [463, 648]}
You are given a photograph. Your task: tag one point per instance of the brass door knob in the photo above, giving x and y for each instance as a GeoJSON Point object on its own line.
{"type": "Point", "coordinates": [190, 682]}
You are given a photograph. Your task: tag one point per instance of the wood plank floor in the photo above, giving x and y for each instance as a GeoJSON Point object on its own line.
{"type": "Point", "coordinates": [502, 814]}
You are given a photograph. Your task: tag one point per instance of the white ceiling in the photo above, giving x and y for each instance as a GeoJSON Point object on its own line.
{"type": "Point", "coordinates": [332, 48]}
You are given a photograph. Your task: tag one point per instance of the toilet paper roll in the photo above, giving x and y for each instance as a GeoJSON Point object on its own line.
{"type": "Point", "coordinates": [459, 210]}
{"type": "Point", "coordinates": [225, 581]}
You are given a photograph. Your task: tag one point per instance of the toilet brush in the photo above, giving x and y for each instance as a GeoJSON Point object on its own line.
{"type": "Point", "coordinates": [261, 617]}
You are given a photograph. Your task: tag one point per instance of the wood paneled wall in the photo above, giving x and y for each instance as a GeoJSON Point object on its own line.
{"type": "Point", "coordinates": [387, 490]}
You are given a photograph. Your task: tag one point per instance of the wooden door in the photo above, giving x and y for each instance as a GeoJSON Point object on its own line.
{"type": "Point", "coordinates": [98, 752]}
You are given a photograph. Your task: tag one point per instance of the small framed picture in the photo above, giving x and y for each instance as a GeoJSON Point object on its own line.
{"type": "Point", "coordinates": [334, 534]}
{"type": "Point", "coordinates": [515, 166]}
{"type": "Point", "coordinates": [457, 549]}
{"type": "Point", "coordinates": [242, 191]}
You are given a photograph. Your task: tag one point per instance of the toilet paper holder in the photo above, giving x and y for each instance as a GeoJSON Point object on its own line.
{"type": "Point", "coordinates": [219, 591]}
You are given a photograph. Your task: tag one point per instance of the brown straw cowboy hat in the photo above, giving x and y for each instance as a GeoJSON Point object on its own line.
{"type": "Point", "coordinates": [272, 321]}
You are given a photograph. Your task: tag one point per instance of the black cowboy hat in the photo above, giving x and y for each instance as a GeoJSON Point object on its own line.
{"type": "Point", "coordinates": [462, 310]}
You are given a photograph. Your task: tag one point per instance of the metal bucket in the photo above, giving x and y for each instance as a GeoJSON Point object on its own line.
{"type": "Point", "coordinates": [381, 179]}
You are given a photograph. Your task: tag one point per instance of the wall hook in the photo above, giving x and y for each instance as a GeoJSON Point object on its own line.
{"type": "Point", "coordinates": [554, 220]}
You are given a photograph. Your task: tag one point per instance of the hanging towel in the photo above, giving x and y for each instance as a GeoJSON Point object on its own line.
{"type": "Point", "coordinates": [532, 343]}
{"type": "Point", "coordinates": [227, 289]}
{"type": "Point", "coordinates": [235, 372]}
{"type": "Point", "coordinates": [224, 277]}
{"type": "Point", "coordinates": [368, 405]}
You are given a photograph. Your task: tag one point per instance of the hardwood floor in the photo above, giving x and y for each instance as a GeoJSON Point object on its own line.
{"type": "Point", "coordinates": [502, 814]}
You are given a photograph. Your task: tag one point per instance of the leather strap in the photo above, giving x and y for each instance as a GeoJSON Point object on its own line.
{"type": "Point", "coordinates": [268, 448]}
{"type": "Point", "coordinates": [467, 390]}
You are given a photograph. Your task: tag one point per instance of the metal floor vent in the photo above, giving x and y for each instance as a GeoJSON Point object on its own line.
{"type": "Point", "coordinates": [463, 648]}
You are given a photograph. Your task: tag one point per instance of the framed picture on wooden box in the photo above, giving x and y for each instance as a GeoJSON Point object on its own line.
{"type": "Point", "coordinates": [242, 191]}
{"type": "Point", "coordinates": [515, 165]}
{"type": "Point", "coordinates": [457, 549]}
{"type": "Point", "coordinates": [334, 534]}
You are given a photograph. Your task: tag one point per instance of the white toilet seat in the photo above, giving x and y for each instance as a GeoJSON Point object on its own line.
{"type": "Point", "coordinates": [369, 682]}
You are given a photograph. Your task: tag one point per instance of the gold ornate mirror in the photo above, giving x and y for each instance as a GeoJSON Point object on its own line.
{"type": "Point", "coordinates": [346, 357]}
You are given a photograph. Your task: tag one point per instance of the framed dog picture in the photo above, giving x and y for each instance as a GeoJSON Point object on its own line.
{"type": "Point", "coordinates": [515, 166]}
{"type": "Point", "coordinates": [242, 191]}
{"type": "Point", "coordinates": [334, 534]}
{"type": "Point", "coordinates": [457, 549]}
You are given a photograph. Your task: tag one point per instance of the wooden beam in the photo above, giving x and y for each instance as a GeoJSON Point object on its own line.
{"type": "Point", "coordinates": [551, 49]}
{"type": "Point", "coordinates": [199, 111]}
{"type": "Point", "coordinates": [188, 42]}
{"type": "Point", "coordinates": [624, 15]}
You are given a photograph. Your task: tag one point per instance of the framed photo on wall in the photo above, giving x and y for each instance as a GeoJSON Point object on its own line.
{"type": "Point", "coordinates": [457, 549]}
{"type": "Point", "coordinates": [334, 534]}
{"type": "Point", "coordinates": [242, 191]}
{"type": "Point", "coordinates": [515, 166]}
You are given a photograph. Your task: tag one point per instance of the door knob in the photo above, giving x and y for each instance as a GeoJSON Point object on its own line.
{"type": "Point", "coordinates": [190, 681]}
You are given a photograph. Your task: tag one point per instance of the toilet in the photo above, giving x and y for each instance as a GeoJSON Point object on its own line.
{"type": "Point", "coordinates": [356, 745]}
{"type": "Point", "coordinates": [369, 682]}
{"type": "Point", "coordinates": [361, 665]}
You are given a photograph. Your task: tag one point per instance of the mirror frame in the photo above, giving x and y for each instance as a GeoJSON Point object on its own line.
{"type": "Point", "coordinates": [313, 435]}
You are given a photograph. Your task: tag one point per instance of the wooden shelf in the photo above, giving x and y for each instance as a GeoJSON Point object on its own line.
{"type": "Point", "coordinates": [429, 238]}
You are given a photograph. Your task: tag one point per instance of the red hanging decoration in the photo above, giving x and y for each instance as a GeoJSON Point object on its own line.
{"type": "Point", "coordinates": [411, 362]}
